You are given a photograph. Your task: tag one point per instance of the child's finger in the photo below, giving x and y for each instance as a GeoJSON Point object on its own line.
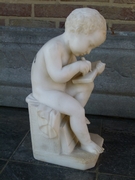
{"type": "Point", "coordinates": [89, 64]}
{"type": "Point", "coordinates": [85, 71]}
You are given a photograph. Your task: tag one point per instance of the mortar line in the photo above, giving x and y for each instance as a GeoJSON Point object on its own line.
{"type": "Point", "coordinates": [32, 11]}
{"type": "Point", "coordinates": [14, 151]}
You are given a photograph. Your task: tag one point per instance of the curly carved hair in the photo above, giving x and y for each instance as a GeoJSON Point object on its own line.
{"type": "Point", "coordinates": [85, 20]}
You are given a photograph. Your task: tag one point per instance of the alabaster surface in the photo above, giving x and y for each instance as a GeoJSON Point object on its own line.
{"type": "Point", "coordinates": [61, 87]}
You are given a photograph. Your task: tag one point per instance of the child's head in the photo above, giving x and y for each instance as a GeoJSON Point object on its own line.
{"type": "Point", "coordinates": [85, 20]}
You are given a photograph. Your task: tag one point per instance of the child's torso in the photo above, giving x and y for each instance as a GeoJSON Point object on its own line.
{"type": "Point", "coordinates": [39, 75]}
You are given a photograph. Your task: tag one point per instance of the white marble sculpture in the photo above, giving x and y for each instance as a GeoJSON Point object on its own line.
{"type": "Point", "coordinates": [61, 87]}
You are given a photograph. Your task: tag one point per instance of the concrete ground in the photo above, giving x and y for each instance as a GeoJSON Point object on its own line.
{"type": "Point", "coordinates": [17, 162]}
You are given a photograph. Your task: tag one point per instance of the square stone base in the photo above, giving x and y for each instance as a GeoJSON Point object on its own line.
{"type": "Point", "coordinates": [78, 159]}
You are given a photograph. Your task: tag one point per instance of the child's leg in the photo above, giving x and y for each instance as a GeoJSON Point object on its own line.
{"type": "Point", "coordinates": [81, 92]}
{"type": "Point", "coordinates": [84, 96]}
{"type": "Point", "coordinates": [66, 104]}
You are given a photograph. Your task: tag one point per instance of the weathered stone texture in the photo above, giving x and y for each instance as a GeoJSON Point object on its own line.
{"type": "Point", "coordinates": [114, 92]}
{"type": "Point", "coordinates": [111, 105]}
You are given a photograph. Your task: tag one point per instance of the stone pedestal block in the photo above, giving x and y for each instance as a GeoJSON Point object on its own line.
{"type": "Point", "coordinates": [53, 140]}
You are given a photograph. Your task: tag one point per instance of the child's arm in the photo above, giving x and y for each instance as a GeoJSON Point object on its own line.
{"type": "Point", "coordinates": [97, 68]}
{"type": "Point", "coordinates": [56, 69]}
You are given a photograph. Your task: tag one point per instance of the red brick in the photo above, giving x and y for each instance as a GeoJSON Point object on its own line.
{"type": "Point", "coordinates": [116, 12]}
{"type": "Point", "coordinates": [57, 11]}
{"type": "Point", "coordinates": [123, 27]}
{"type": "Point", "coordinates": [124, 1]}
{"type": "Point", "coordinates": [44, 0]}
{"type": "Point", "coordinates": [86, 0]}
{"type": "Point", "coordinates": [15, 9]}
{"type": "Point", "coordinates": [2, 22]}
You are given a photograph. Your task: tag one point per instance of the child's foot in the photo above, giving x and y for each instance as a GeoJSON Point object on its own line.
{"type": "Point", "coordinates": [93, 148]}
{"type": "Point", "coordinates": [100, 67]}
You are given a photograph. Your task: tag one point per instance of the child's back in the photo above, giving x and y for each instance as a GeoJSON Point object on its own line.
{"type": "Point", "coordinates": [53, 53]}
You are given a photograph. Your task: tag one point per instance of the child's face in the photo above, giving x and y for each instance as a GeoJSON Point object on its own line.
{"type": "Point", "coordinates": [82, 44]}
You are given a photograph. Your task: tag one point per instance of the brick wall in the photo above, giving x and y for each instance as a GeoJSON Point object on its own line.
{"type": "Point", "coordinates": [120, 14]}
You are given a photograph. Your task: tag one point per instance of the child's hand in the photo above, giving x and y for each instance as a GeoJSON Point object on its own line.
{"type": "Point", "coordinates": [85, 66]}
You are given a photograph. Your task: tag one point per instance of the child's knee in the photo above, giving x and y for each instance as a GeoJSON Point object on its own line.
{"type": "Point", "coordinates": [79, 112]}
{"type": "Point", "coordinates": [91, 86]}
{"type": "Point", "coordinates": [88, 87]}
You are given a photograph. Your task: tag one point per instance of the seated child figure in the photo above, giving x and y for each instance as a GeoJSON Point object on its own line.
{"type": "Point", "coordinates": [55, 65]}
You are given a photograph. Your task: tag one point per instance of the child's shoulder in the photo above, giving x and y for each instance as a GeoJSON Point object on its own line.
{"type": "Point", "coordinates": [54, 44]}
